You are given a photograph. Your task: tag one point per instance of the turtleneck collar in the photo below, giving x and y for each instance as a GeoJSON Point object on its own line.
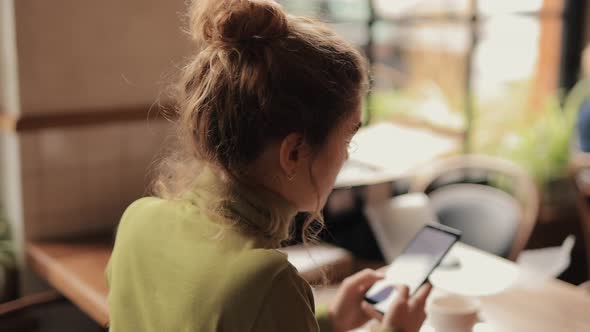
{"type": "Point", "coordinates": [256, 211]}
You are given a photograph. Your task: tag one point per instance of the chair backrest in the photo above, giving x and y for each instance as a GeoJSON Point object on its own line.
{"type": "Point", "coordinates": [488, 217]}
{"type": "Point", "coordinates": [509, 218]}
{"type": "Point", "coordinates": [580, 178]}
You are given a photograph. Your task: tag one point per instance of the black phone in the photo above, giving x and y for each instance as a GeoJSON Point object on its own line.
{"type": "Point", "coordinates": [414, 265]}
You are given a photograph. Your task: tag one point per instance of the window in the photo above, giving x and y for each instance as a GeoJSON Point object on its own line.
{"type": "Point", "coordinates": [471, 67]}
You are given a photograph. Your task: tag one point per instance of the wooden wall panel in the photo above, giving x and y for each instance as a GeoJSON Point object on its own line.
{"type": "Point", "coordinates": [79, 180]}
{"type": "Point", "coordinates": [88, 55]}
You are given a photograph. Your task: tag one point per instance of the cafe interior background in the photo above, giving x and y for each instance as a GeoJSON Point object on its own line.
{"type": "Point", "coordinates": [464, 93]}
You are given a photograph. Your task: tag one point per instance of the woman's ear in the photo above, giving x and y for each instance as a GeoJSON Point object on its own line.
{"type": "Point", "coordinates": [291, 154]}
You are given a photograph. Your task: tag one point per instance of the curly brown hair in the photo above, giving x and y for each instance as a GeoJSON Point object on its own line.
{"type": "Point", "coordinates": [259, 75]}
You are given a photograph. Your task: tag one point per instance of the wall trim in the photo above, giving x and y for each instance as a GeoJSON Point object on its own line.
{"type": "Point", "coordinates": [57, 119]}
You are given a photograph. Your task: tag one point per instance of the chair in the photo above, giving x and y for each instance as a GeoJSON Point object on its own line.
{"type": "Point", "coordinates": [580, 177]}
{"type": "Point", "coordinates": [465, 193]}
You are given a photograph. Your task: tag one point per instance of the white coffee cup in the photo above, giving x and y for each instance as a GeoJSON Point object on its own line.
{"type": "Point", "coordinates": [453, 313]}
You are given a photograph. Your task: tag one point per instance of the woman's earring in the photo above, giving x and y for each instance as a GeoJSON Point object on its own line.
{"type": "Point", "coordinates": [290, 177]}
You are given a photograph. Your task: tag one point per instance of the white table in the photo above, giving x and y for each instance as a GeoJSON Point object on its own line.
{"type": "Point", "coordinates": [387, 151]}
{"type": "Point", "coordinates": [519, 305]}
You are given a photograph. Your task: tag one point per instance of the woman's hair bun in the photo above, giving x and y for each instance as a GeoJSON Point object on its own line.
{"type": "Point", "coordinates": [236, 21]}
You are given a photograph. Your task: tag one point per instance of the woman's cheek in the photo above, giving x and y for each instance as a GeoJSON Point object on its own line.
{"type": "Point", "coordinates": [336, 167]}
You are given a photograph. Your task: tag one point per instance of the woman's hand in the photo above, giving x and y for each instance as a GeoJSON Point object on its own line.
{"type": "Point", "coordinates": [405, 313]}
{"type": "Point", "coordinates": [346, 311]}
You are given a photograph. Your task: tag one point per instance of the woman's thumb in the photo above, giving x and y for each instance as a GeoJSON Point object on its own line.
{"type": "Point", "coordinates": [371, 312]}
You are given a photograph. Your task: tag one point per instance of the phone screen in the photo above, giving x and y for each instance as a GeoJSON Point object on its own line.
{"type": "Point", "coordinates": [413, 266]}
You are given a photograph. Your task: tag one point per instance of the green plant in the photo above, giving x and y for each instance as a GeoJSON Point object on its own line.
{"type": "Point", "coordinates": [537, 139]}
{"type": "Point", "coordinates": [7, 257]}
{"type": "Point", "coordinates": [542, 143]}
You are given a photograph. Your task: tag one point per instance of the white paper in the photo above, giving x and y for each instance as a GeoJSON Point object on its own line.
{"type": "Point", "coordinates": [540, 264]}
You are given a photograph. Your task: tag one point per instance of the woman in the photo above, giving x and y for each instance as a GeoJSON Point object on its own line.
{"type": "Point", "coordinates": [583, 123]}
{"type": "Point", "coordinates": [267, 108]}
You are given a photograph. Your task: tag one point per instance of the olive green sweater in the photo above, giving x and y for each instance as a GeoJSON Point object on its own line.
{"type": "Point", "coordinates": [207, 262]}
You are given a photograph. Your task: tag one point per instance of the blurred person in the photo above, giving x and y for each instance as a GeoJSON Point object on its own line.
{"type": "Point", "coordinates": [266, 110]}
{"type": "Point", "coordinates": [584, 111]}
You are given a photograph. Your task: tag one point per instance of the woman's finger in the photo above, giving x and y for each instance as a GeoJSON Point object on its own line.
{"type": "Point", "coordinates": [365, 286]}
{"type": "Point", "coordinates": [363, 279]}
{"type": "Point", "coordinates": [371, 312]}
{"type": "Point", "coordinates": [402, 293]}
{"type": "Point", "coordinates": [419, 299]}
{"type": "Point", "coordinates": [399, 306]}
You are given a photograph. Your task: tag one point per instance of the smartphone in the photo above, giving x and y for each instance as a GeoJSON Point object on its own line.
{"type": "Point", "coordinates": [414, 265]}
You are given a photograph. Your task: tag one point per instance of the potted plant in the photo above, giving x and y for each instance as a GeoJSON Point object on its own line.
{"type": "Point", "coordinates": [8, 287]}
{"type": "Point", "coordinates": [542, 143]}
